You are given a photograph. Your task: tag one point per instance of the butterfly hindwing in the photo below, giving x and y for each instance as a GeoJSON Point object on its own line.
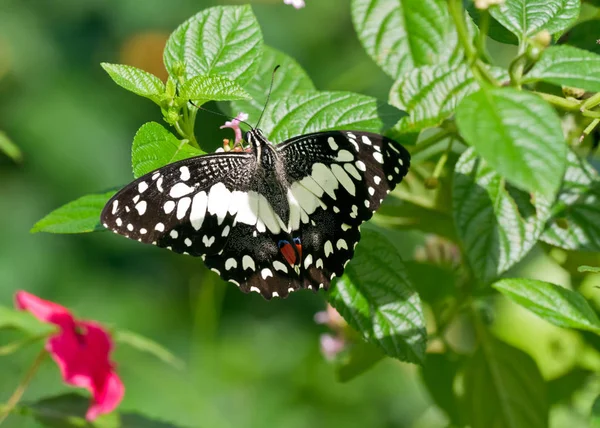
{"type": "Point", "coordinates": [338, 180]}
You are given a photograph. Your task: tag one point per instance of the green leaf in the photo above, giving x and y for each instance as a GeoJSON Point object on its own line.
{"type": "Point", "coordinates": [135, 80]}
{"type": "Point", "coordinates": [79, 216]}
{"type": "Point", "coordinates": [438, 373]}
{"type": "Point", "coordinates": [68, 411]}
{"type": "Point", "coordinates": [149, 346]}
{"type": "Point", "coordinates": [555, 304]}
{"type": "Point", "coordinates": [320, 111]}
{"type": "Point", "coordinates": [15, 319]}
{"type": "Point", "coordinates": [357, 360]}
{"type": "Point", "coordinates": [592, 269]}
{"type": "Point", "coordinates": [154, 147]}
{"type": "Point", "coordinates": [202, 89]}
{"type": "Point", "coordinates": [430, 94]}
{"type": "Point", "coordinates": [525, 18]}
{"type": "Point", "coordinates": [496, 30]}
{"type": "Point", "coordinates": [595, 416]}
{"type": "Point", "coordinates": [567, 66]}
{"type": "Point", "coordinates": [376, 298]}
{"type": "Point", "coordinates": [289, 79]}
{"type": "Point", "coordinates": [401, 35]}
{"type": "Point", "coordinates": [497, 223]}
{"type": "Point", "coordinates": [504, 388]}
{"type": "Point", "coordinates": [9, 148]}
{"type": "Point", "coordinates": [222, 40]}
{"type": "Point", "coordinates": [518, 134]}
{"type": "Point", "coordinates": [576, 214]}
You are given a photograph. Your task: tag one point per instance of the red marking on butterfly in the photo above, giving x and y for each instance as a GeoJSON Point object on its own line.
{"type": "Point", "coordinates": [288, 251]}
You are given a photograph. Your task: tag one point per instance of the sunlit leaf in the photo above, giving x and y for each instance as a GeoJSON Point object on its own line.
{"type": "Point", "coordinates": [154, 147]}
{"type": "Point", "coordinates": [9, 148]}
{"type": "Point", "coordinates": [592, 269]}
{"type": "Point", "coordinates": [138, 81]}
{"type": "Point", "coordinates": [289, 79]}
{"type": "Point", "coordinates": [576, 215]}
{"type": "Point", "coordinates": [319, 111]}
{"type": "Point", "coordinates": [567, 66]}
{"type": "Point", "coordinates": [525, 18]}
{"type": "Point", "coordinates": [518, 134]}
{"type": "Point", "coordinates": [401, 35]}
{"type": "Point", "coordinates": [504, 388]}
{"type": "Point", "coordinates": [430, 94]}
{"type": "Point", "coordinates": [221, 40]}
{"type": "Point", "coordinates": [497, 223]}
{"type": "Point", "coordinates": [202, 89]}
{"type": "Point", "coordinates": [376, 298]}
{"type": "Point", "coordinates": [149, 346]}
{"type": "Point", "coordinates": [555, 304]}
{"type": "Point", "coordinates": [79, 216]}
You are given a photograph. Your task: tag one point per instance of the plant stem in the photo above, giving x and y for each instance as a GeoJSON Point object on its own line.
{"type": "Point", "coordinates": [430, 141]}
{"type": "Point", "coordinates": [591, 102]}
{"type": "Point", "coordinates": [478, 68]}
{"type": "Point", "coordinates": [18, 393]}
{"type": "Point", "coordinates": [565, 104]}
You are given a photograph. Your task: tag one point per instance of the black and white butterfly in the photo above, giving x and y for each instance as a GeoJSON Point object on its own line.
{"type": "Point", "coordinates": [274, 219]}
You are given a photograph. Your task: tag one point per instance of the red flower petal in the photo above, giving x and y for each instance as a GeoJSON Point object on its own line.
{"type": "Point", "coordinates": [44, 310]}
{"type": "Point", "coordinates": [82, 352]}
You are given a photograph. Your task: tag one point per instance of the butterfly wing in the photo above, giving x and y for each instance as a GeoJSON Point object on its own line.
{"type": "Point", "coordinates": [338, 179]}
{"type": "Point", "coordinates": [212, 207]}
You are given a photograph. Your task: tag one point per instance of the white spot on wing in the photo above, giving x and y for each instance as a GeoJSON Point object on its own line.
{"type": "Point", "coordinates": [306, 199]}
{"type": "Point", "coordinates": [185, 173]}
{"type": "Point", "coordinates": [188, 242]}
{"type": "Point", "coordinates": [198, 210]}
{"type": "Point", "coordinates": [308, 261]}
{"type": "Point", "coordinates": [391, 146]}
{"type": "Point", "coordinates": [345, 227]}
{"type": "Point", "coordinates": [179, 190]}
{"type": "Point", "coordinates": [230, 263]}
{"type": "Point", "coordinates": [141, 207]}
{"type": "Point", "coordinates": [226, 230]}
{"type": "Point", "coordinates": [155, 176]}
{"type": "Point", "coordinates": [169, 207]}
{"type": "Point", "coordinates": [325, 178]}
{"type": "Point", "coordinates": [142, 186]}
{"type": "Point", "coordinates": [344, 179]}
{"type": "Point", "coordinates": [366, 140]}
{"type": "Point", "coordinates": [361, 165]}
{"type": "Point", "coordinates": [280, 266]}
{"type": "Point", "coordinates": [332, 143]}
{"type": "Point", "coordinates": [248, 263]}
{"type": "Point", "coordinates": [130, 227]}
{"type": "Point", "coordinates": [159, 185]}
{"type": "Point", "coordinates": [344, 156]}
{"type": "Point", "coordinates": [160, 227]}
{"type": "Point", "coordinates": [377, 179]}
{"type": "Point", "coordinates": [115, 205]}
{"type": "Point", "coordinates": [341, 244]}
{"type": "Point", "coordinates": [371, 191]}
{"type": "Point", "coordinates": [319, 264]}
{"type": "Point", "coordinates": [174, 234]}
{"type": "Point", "coordinates": [208, 241]}
{"type": "Point", "coordinates": [265, 273]}
{"type": "Point", "coordinates": [352, 171]}
{"type": "Point", "coordinates": [267, 215]}
{"type": "Point", "coordinates": [143, 231]}
{"type": "Point", "coordinates": [218, 201]}
{"type": "Point", "coordinates": [182, 207]}
{"type": "Point", "coordinates": [378, 157]}
{"type": "Point", "coordinates": [328, 248]}
{"type": "Point", "coordinates": [247, 208]}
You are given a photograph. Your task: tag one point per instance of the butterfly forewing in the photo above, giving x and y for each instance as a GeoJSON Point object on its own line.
{"type": "Point", "coordinates": [273, 220]}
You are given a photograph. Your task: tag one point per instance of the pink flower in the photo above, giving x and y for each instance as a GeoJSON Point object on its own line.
{"type": "Point", "coordinates": [331, 345]}
{"type": "Point", "coordinates": [81, 349]}
{"type": "Point", "coordinates": [298, 4]}
{"type": "Point", "coordinates": [235, 125]}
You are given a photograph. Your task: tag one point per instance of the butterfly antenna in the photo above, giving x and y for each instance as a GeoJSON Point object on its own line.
{"type": "Point", "coordinates": [219, 114]}
{"type": "Point", "coordinates": [268, 96]}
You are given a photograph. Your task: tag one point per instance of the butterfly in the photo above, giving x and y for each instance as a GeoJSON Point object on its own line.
{"type": "Point", "coordinates": [272, 218]}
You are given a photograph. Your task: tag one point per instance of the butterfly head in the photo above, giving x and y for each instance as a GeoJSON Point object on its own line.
{"type": "Point", "coordinates": [257, 139]}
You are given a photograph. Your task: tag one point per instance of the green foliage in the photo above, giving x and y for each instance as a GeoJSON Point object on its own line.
{"type": "Point", "coordinates": [491, 171]}
{"type": "Point", "coordinates": [518, 134]}
{"type": "Point", "coordinates": [567, 66]}
{"type": "Point", "coordinates": [224, 41]}
{"type": "Point", "coordinates": [402, 35]}
{"type": "Point", "coordinates": [526, 18]}
{"type": "Point", "coordinates": [555, 304]}
{"type": "Point", "coordinates": [9, 148]}
{"type": "Point", "coordinates": [497, 223]}
{"type": "Point", "coordinates": [376, 298]}
{"type": "Point", "coordinates": [80, 216]}
{"type": "Point", "coordinates": [154, 146]}
{"type": "Point", "coordinates": [135, 80]}
{"type": "Point", "coordinates": [504, 388]}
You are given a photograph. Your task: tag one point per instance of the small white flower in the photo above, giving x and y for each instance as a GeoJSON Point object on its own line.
{"type": "Point", "coordinates": [298, 4]}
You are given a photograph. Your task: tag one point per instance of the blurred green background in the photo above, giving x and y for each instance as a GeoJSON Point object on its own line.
{"type": "Point", "coordinates": [250, 363]}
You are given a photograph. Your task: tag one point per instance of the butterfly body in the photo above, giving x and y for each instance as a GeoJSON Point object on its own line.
{"type": "Point", "coordinates": [273, 219]}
